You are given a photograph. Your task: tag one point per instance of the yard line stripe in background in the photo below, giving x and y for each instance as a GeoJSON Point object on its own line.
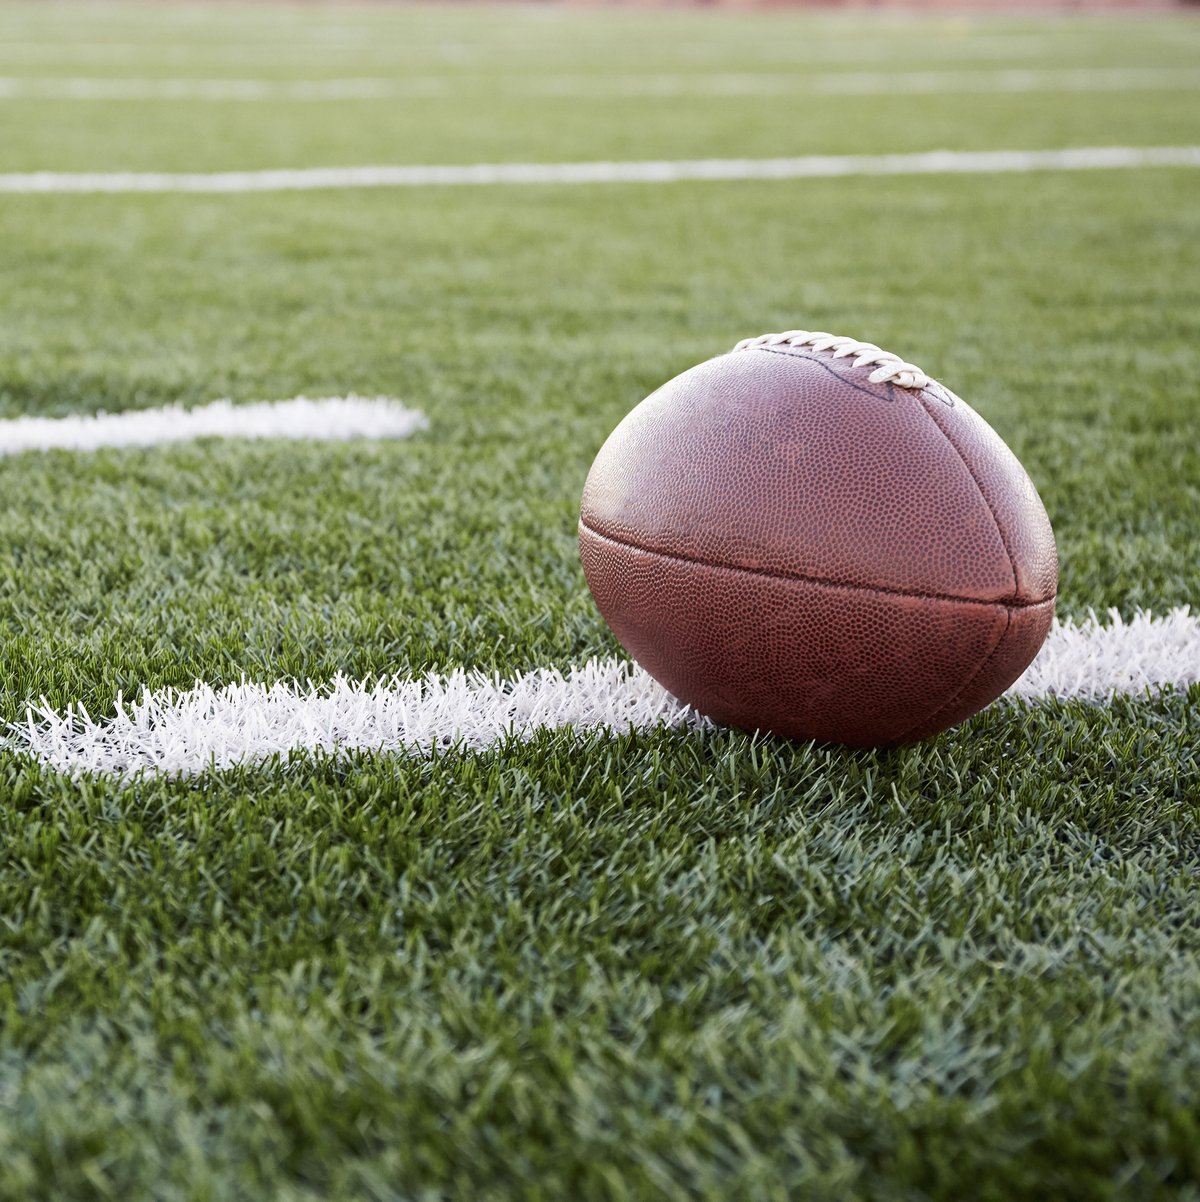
{"type": "Point", "coordinates": [933, 162]}
{"type": "Point", "coordinates": [192, 731]}
{"type": "Point", "coordinates": [18, 88]}
{"type": "Point", "coordinates": [601, 87]}
{"type": "Point", "coordinates": [982, 45]}
{"type": "Point", "coordinates": [855, 83]}
{"type": "Point", "coordinates": [327, 419]}
{"type": "Point", "coordinates": [1080, 79]}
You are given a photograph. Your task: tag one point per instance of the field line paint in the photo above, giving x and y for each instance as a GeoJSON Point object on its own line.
{"type": "Point", "coordinates": [601, 87]}
{"type": "Point", "coordinates": [185, 732]}
{"type": "Point", "coordinates": [327, 419]}
{"type": "Point", "coordinates": [934, 162]}
{"type": "Point", "coordinates": [1016, 80]}
{"type": "Point", "coordinates": [1092, 661]}
{"type": "Point", "coordinates": [860, 83]}
{"type": "Point", "coordinates": [845, 46]}
{"type": "Point", "coordinates": [25, 88]}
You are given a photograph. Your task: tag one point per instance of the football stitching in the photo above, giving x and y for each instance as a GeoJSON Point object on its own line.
{"type": "Point", "coordinates": [888, 367]}
{"type": "Point", "coordinates": [883, 590]}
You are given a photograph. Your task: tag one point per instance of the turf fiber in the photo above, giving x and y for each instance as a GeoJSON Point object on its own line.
{"type": "Point", "coordinates": [661, 965]}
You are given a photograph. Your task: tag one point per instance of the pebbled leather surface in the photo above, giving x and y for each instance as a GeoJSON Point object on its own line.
{"type": "Point", "coordinates": [786, 546]}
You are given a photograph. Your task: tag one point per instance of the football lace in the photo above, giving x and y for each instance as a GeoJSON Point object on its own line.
{"type": "Point", "coordinates": [889, 368]}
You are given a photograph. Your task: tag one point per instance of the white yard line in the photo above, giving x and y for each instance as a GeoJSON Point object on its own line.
{"type": "Point", "coordinates": [857, 83]}
{"type": "Point", "coordinates": [934, 162]}
{"type": "Point", "coordinates": [328, 419]}
{"type": "Point", "coordinates": [1067, 79]}
{"type": "Point", "coordinates": [1093, 661]}
{"type": "Point", "coordinates": [22, 88]}
{"type": "Point", "coordinates": [203, 728]}
{"type": "Point", "coordinates": [590, 86]}
{"type": "Point", "coordinates": [186, 732]}
{"type": "Point", "coordinates": [370, 47]}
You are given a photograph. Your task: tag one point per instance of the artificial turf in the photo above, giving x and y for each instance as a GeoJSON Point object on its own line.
{"type": "Point", "coordinates": [659, 965]}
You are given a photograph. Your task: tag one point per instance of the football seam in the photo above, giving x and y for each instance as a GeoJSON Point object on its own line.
{"type": "Point", "coordinates": [966, 684]}
{"type": "Point", "coordinates": [923, 398]}
{"type": "Point", "coordinates": [890, 399]}
{"type": "Point", "coordinates": [1012, 563]}
{"type": "Point", "coordinates": [884, 590]}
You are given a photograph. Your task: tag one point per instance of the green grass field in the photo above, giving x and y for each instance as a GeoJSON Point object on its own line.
{"type": "Point", "coordinates": [660, 965]}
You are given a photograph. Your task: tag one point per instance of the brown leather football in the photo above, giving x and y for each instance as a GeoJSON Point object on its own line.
{"type": "Point", "coordinates": [809, 536]}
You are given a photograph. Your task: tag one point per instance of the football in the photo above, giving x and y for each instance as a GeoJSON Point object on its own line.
{"type": "Point", "coordinates": [810, 536]}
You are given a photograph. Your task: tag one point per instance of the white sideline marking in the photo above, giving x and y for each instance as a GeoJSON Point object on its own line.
{"type": "Point", "coordinates": [600, 87]}
{"type": "Point", "coordinates": [933, 162]}
{"type": "Point", "coordinates": [329, 419]}
{"type": "Point", "coordinates": [188, 732]}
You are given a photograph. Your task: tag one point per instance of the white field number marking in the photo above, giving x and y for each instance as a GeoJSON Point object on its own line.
{"type": "Point", "coordinates": [329, 419]}
{"type": "Point", "coordinates": [195, 730]}
{"type": "Point", "coordinates": [933, 162]}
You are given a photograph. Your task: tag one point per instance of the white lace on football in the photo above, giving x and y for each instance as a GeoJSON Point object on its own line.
{"type": "Point", "coordinates": [889, 368]}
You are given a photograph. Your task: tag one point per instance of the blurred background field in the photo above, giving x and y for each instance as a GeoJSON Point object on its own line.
{"type": "Point", "coordinates": [235, 87]}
